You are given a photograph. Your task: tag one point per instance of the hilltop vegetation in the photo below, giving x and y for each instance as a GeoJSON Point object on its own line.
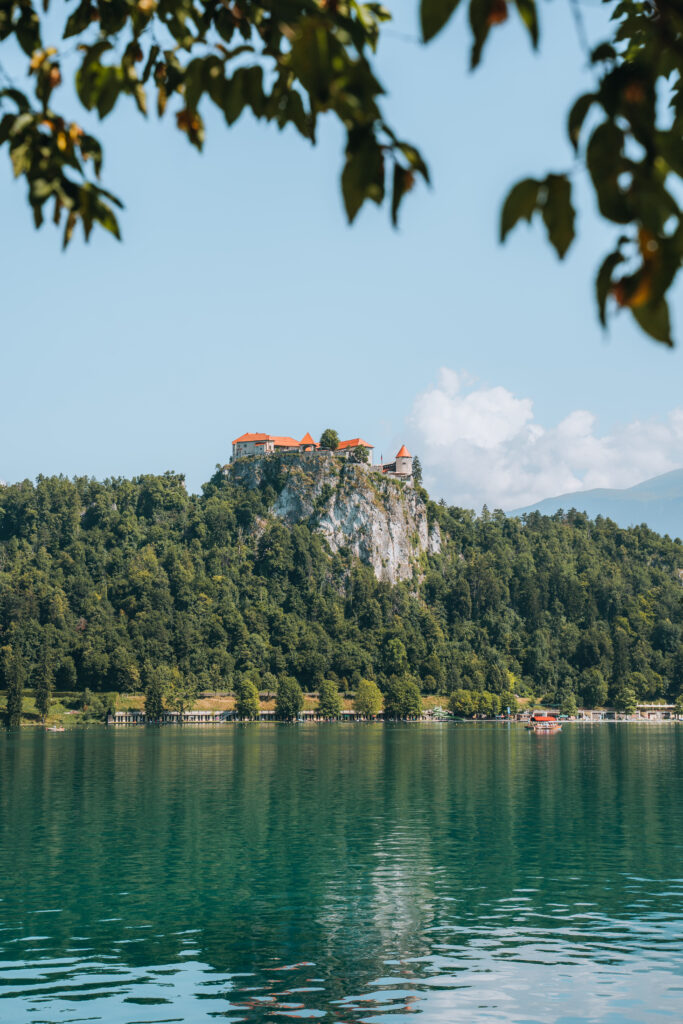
{"type": "Point", "coordinates": [121, 584]}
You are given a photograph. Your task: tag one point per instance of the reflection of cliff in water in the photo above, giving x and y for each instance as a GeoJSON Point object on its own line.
{"type": "Point", "coordinates": [341, 845]}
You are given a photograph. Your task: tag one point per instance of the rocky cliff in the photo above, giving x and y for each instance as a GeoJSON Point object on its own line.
{"type": "Point", "coordinates": [381, 520]}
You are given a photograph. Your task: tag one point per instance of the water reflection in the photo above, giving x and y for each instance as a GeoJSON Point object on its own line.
{"type": "Point", "coordinates": [342, 873]}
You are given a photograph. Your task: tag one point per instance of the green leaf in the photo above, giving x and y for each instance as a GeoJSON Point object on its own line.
{"type": "Point", "coordinates": [91, 149]}
{"type": "Point", "coordinates": [558, 212]}
{"type": "Point", "coordinates": [655, 321]}
{"type": "Point", "coordinates": [69, 228]}
{"type": "Point", "coordinates": [403, 182]}
{"type": "Point", "coordinates": [520, 204]}
{"type": "Point", "coordinates": [79, 20]}
{"type": "Point", "coordinates": [603, 283]}
{"type": "Point", "coordinates": [18, 97]}
{"type": "Point", "coordinates": [528, 12]}
{"type": "Point", "coordinates": [233, 99]}
{"type": "Point", "coordinates": [363, 175]}
{"type": "Point", "coordinates": [605, 160]}
{"type": "Point", "coordinates": [603, 52]}
{"type": "Point", "coordinates": [480, 11]}
{"type": "Point", "coordinates": [21, 159]}
{"type": "Point", "coordinates": [105, 216]}
{"type": "Point", "coordinates": [110, 86]}
{"type": "Point", "coordinates": [414, 158]}
{"type": "Point", "coordinates": [88, 75]}
{"type": "Point", "coordinates": [151, 60]}
{"type": "Point", "coordinates": [27, 28]}
{"type": "Point", "coordinates": [41, 189]}
{"type": "Point", "coordinates": [577, 115]}
{"type": "Point", "coordinates": [6, 126]}
{"type": "Point", "coordinates": [433, 16]}
{"type": "Point", "coordinates": [194, 82]}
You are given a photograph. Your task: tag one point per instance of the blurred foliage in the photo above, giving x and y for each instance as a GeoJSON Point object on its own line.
{"type": "Point", "coordinates": [286, 61]}
{"type": "Point", "coordinates": [627, 133]}
{"type": "Point", "coordinates": [291, 61]}
{"type": "Point", "coordinates": [129, 584]}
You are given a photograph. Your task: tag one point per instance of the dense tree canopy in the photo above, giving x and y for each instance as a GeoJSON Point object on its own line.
{"type": "Point", "coordinates": [293, 61]}
{"type": "Point", "coordinates": [129, 584]}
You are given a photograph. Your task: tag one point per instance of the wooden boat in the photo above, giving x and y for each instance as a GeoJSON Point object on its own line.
{"type": "Point", "coordinates": [56, 728]}
{"type": "Point", "coordinates": [544, 724]}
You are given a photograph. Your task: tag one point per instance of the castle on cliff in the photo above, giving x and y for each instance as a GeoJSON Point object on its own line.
{"type": "Point", "coordinates": [259, 445]}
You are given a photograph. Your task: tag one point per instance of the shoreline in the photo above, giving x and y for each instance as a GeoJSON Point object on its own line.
{"type": "Point", "coordinates": [115, 726]}
{"type": "Point", "coordinates": [68, 712]}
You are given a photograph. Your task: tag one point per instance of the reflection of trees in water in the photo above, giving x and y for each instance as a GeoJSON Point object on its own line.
{"type": "Point", "coordinates": [337, 844]}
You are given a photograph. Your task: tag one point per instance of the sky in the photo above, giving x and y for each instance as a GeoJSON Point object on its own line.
{"type": "Point", "coordinates": [240, 300]}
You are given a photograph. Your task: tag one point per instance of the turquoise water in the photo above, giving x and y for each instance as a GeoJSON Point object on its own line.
{"type": "Point", "coordinates": [350, 873]}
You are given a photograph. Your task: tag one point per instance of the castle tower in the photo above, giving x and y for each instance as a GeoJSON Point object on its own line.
{"type": "Point", "coordinates": [404, 462]}
{"type": "Point", "coordinates": [307, 444]}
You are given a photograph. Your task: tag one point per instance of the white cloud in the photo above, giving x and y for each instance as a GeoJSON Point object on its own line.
{"type": "Point", "coordinates": [482, 445]}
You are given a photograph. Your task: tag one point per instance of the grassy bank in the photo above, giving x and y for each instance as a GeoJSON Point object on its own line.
{"type": "Point", "coordinates": [67, 708]}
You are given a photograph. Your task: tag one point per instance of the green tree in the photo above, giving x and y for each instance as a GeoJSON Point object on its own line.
{"type": "Point", "coordinates": [509, 700]}
{"type": "Point", "coordinates": [395, 697]}
{"type": "Point", "coordinates": [44, 679]}
{"type": "Point", "coordinates": [96, 706]}
{"type": "Point", "coordinates": [679, 704]}
{"type": "Point", "coordinates": [290, 700]}
{"type": "Point", "coordinates": [180, 689]}
{"type": "Point", "coordinates": [626, 700]}
{"type": "Point", "coordinates": [461, 703]}
{"type": "Point", "coordinates": [396, 657]}
{"type": "Point", "coordinates": [412, 700]}
{"type": "Point", "coordinates": [417, 471]}
{"type": "Point", "coordinates": [402, 698]}
{"type": "Point", "coordinates": [14, 679]}
{"type": "Point", "coordinates": [66, 676]}
{"type": "Point", "coordinates": [155, 691]}
{"type": "Point", "coordinates": [593, 688]}
{"type": "Point", "coordinates": [329, 439]}
{"type": "Point", "coordinates": [329, 700]}
{"type": "Point", "coordinates": [568, 705]}
{"type": "Point", "coordinates": [367, 701]}
{"type": "Point", "coordinates": [484, 704]}
{"type": "Point", "coordinates": [247, 704]}
{"type": "Point", "coordinates": [361, 454]}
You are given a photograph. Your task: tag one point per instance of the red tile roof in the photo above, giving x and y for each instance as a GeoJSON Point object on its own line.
{"type": "Point", "coordinates": [291, 442]}
{"type": "Point", "coordinates": [279, 442]}
{"type": "Point", "coordinates": [285, 442]}
{"type": "Point", "coordinates": [403, 453]}
{"type": "Point", "coordinates": [251, 437]}
{"type": "Point", "coordinates": [355, 442]}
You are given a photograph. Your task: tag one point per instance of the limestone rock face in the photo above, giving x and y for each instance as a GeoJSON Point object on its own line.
{"type": "Point", "coordinates": [380, 520]}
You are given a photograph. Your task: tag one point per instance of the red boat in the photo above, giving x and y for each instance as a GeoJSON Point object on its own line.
{"type": "Point", "coordinates": [544, 724]}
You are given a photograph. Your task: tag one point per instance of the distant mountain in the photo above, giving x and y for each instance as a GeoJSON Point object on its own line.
{"type": "Point", "coordinates": [657, 502]}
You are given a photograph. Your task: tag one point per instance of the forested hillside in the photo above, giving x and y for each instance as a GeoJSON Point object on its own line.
{"type": "Point", "coordinates": [102, 583]}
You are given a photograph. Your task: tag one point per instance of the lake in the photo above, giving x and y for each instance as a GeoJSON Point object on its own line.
{"type": "Point", "coordinates": [355, 873]}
